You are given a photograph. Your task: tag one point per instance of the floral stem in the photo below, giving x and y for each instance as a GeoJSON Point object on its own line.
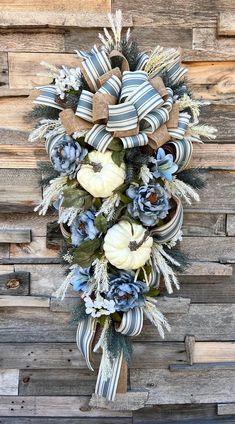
{"type": "Point", "coordinates": [133, 245]}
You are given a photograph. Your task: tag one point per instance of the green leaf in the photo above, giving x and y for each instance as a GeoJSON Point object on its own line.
{"type": "Point", "coordinates": [101, 223]}
{"type": "Point", "coordinates": [85, 253]}
{"type": "Point", "coordinates": [121, 188]}
{"type": "Point", "coordinates": [77, 198]}
{"type": "Point", "coordinates": [125, 199]}
{"type": "Point", "coordinates": [117, 157]}
{"type": "Point", "coordinates": [116, 317]}
{"type": "Point", "coordinates": [116, 145]}
{"type": "Point", "coordinates": [153, 292]}
{"type": "Point", "coordinates": [102, 320]}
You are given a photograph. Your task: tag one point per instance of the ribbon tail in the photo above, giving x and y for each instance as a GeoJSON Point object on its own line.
{"type": "Point", "coordinates": [107, 387]}
{"type": "Point", "coordinates": [84, 338]}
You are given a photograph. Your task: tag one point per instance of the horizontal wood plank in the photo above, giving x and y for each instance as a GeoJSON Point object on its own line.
{"type": "Point", "coordinates": [205, 41]}
{"type": "Point", "coordinates": [186, 387]}
{"type": "Point", "coordinates": [36, 223]}
{"type": "Point", "coordinates": [53, 406]}
{"type": "Point", "coordinates": [19, 190]}
{"type": "Point", "coordinates": [56, 19]}
{"type": "Point", "coordinates": [210, 225]}
{"type": "Point", "coordinates": [226, 24]}
{"type": "Point", "coordinates": [15, 236]}
{"type": "Point", "coordinates": [214, 352]}
{"type": "Point", "coordinates": [56, 5]}
{"type": "Point", "coordinates": [66, 355]}
{"type": "Point", "coordinates": [24, 301]}
{"type": "Point", "coordinates": [14, 283]}
{"type": "Point", "coordinates": [57, 382]}
{"type": "Point", "coordinates": [31, 41]}
{"type": "Point", "coordinates": [36, 249]}
{"type": "Point", "coordinates": [9, 381]}
{"type": "Point", "coordinates": [226, 408]}
{"type": "Point", "coordinates": [207, 322]}
{"type": "Point", "coordinates": [209, 249]}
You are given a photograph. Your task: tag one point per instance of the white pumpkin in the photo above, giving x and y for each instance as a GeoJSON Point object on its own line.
{"type": "Point", "coordinates": [117, 245]}
{"type": "Point", "coordinates": [101, 183]}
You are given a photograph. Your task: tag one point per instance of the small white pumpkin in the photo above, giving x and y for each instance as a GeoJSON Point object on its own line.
{"type": "Point", "coordinates": [118, 249]}
{"type": "Point", "coordinates": [101, 182]}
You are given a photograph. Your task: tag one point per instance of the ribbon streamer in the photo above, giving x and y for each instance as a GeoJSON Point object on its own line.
{"type": "Point", "coordinates": [168, 231]}
{"type": "Point", "coordinates": [84, 338]}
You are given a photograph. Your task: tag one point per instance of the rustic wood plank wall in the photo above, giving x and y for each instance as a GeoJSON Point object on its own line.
{"type": "Point", "coordinates": [190, 375]}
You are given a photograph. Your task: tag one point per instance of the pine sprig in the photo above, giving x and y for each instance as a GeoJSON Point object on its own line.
{"type": "Point", "coordinates": [42, 112]}
{"type": "Point", "coordinates": [179, 257]}
{"type": "Point", "coordinates": [192, 177]}
{"type": "Point", "coordinates": [131, 52]}
{"type": "Point", "coordinates": [48, 173]}
{"type": "Point", "coordinates": [118, 342]}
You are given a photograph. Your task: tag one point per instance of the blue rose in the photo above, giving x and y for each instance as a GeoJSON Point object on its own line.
{"type": "Point", "coordinates": [149, 203]}
{"type": "Point", "coordinates": [83, 228]}
{"type": "Point", "coordinates": [79, 278]}
{"type": "Point", "coordinates": [126, 293]}
{"type": "Point", "coordinates": [164, 165]}
{"type": "Point", "coordinates": [65, 156]}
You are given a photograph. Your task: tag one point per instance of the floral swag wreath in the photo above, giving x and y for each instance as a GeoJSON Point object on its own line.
{"type": "Point", "coordinates": [118, 130]}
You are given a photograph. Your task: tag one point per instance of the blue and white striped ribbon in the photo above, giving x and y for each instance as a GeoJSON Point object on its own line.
{"type": "Point", "coordinates": [84, 107]}
{"type": "Point", "coordinates": [131, 81]}
{"type": "Point", "coordinates": [135, 140]}
{"type": "Point", "coordinates": [132, 322]}
{"type": "Point", "coordinates": [47, 97]}
{"type": "Point", "coordinates": [170, 100]}
{"type": "Point", "coordinates": [107, 387]}
{"type": "Point", "coordinates": [155, 119]}
{"type": "Point", "coordinates": [175, 72]}
{"type": "Point", "coordinates": [122, 117]}
{"type": "Point", "coordinates": [183, 152]}
{"type": "Point", "coordinates": [142, 60]}
{"type": "Point", "coordinates": [83, 55]}
{"type": "Point", "coordinates": [84, 337]}
{"type": "Point", "coordinates": [112, 86]}
{"type": "Point", "coordinates": [154, 276]}
{"type": "Point", "coordinates": [95, 65]}
{"type": "Point", "coordinates": [98, 137]}
{"type": "Point", "coordinates": [168, 231]}
{"type": "Point", "coordinates": [179, 132]}
{"type": "Point", "coordinates": [145, 98]}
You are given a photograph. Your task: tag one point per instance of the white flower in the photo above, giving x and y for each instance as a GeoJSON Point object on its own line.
{"type": "Point", "coordinates": [145, 174]}
{"type": "Point", "coordinates": [67, 79]}
{"type": "Point", "coordinates": [99, 306]}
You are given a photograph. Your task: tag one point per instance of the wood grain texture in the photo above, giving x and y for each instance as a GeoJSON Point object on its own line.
{"type": "Point", "coordinates": [56, 19]}
{"type": "Point", "coordinates": [31, 42]}
{"type": "Point", "coordinates": [9, 381]}
{"type": "Point", "coordinates": [226, 24]}
{"type": "Point", "coordinates": [214, 352]}
{"type": "Point", "coordinates": [226, 408]}
{"type": "Point", "coordinates": [67, 356]}
{"type": "Point", "coordinates": [60, 6]}
{"type": "Point", "coordinates": [185, 387]}
{"type": "Point", "coordinates": [52, 406]}
{"type": "Point", "coordinates": [14, 283]}
{"type": "Point", "coordinates": [15, 236]}
{"type": "Point", "coordinates": [207, 322]}
{"type": "Point", "coordinates": [23, 302]}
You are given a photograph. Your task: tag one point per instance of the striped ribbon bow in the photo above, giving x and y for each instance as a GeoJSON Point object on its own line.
{"type": "Point", "coordinates": [123, 103]}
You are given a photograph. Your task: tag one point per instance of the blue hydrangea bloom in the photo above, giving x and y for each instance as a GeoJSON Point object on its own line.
{"type": "Point", "coordinates": [149, 203]}
{"type": "Point", "coordinates": [66, 155]}
{"type": "Point", "coordinates": [80, 277]}
{"type": "Point", "coordinates": [83, 228]}
{"type": "Point", "coordinates": [164, 165]}
{"type": "Point", "coordinates": [126, 293]}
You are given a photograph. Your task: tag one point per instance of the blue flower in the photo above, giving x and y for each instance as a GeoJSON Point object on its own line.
{"type": "Point", "coordinates": [149, 203]}
{"type": "Point", "coordinates": [83, 228]}
{"type": "Point", "coordinates": [164, 165]}
{"type": "Point", "coordinates": [79, 278]}
{"type": "Point", "coordinates": [65, 156]}
{"type": "Point", "coordinates": [126, 293]}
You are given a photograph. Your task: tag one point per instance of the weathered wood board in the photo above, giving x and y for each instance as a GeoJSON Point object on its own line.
{"type": "Point", "coordinates": [43, 377]}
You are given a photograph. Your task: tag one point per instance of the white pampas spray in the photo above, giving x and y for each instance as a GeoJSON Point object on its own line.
{"type": "Point", "coordinates": [51, 193]}
{"type": "Point", "coordinates": [159, 257]}
{"type": "Point", "coordinates": [181, 189]}
{"type": "Point", "coordinates": [100, 276]}
{"type": "Point", "coordinates": [155, 316]}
